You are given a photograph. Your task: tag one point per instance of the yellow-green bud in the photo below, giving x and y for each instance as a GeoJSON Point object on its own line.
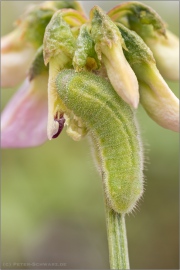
{"type": "Point", "coordinates": [157, 92]}
{"type": "Point", "coordinates": [59, 46]}
{"type": "Point", "coordinates": [166, 52]}
{"type": "Point", "coordinates": [109, 43]}
{"type": "Point", "coordinates": [85, 56]}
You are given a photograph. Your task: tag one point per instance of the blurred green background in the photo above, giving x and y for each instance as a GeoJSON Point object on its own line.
{"type": "Point", "coordinates": [52, 197]}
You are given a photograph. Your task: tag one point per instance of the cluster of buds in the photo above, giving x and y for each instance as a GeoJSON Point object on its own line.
{"type": "Point", "coordinates": [129, 46]}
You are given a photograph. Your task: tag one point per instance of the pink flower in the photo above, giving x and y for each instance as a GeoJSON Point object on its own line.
{"type": "Point", "coordinates": [24, 119]}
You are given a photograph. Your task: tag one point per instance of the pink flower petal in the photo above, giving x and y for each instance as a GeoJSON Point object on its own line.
{"type": "Point", "coordinates": [24, 120]}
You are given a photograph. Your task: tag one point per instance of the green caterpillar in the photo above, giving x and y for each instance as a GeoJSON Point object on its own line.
{"type": "Point", "coordinates": [111, 125]}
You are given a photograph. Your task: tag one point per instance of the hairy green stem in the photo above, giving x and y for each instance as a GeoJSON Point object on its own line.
{"type": "Point", "coordinates": [117, 239]}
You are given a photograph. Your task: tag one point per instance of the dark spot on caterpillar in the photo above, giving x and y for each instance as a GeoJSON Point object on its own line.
{"type": "Point", "coordinates": [61, 122]}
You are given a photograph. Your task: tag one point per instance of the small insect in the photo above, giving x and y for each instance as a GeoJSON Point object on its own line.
{"type": "Point", "coordinates": [112, 128]}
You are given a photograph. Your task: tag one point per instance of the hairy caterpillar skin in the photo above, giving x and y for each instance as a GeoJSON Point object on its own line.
{"type": "Point", "coordinates": [112, 127]}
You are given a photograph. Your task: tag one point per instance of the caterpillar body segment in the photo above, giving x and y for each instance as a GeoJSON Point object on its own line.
{"type": "Point", "coordinates": [115, 138]}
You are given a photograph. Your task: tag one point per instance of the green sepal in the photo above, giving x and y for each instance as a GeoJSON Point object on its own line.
{"type": "Point", "coordinates": [73, 17]}
{"type": "Point", "coordinates": [58, 38]}
{"type": "Point", "coordinates": [141, 18]}
{"type": "Point", "coordinates": [33, 24]}
{"type": "Point", "coordinates": [85, 56]}
{"type": "Point", "coordinates": [103, 30]}
{"type": "Point", "coordinates": [68, 4]}
{"type": "Point", "coordinates": [37, 66]}
{"type": "Point", "coordinates": [137, 51]}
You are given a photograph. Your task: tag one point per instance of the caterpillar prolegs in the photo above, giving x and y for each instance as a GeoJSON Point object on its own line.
{"type": "Point", "coordinates": [112, 127]}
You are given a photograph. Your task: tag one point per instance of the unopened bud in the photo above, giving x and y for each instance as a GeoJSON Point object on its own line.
{"type": "Point", "coordinates": [16, 57]}
{"type": "Point", "coordinates": [166, 53]}
{"type": "Point", "coordinates": [109, 43]}
{"type": "Point", "coordinates": [162, 106]}
{"type": "Point", "coordinates": [85, 56]}
{"type": "Point", "coordinates": [152, 29]}
{"type": "Point", "coordinates": [59, 46]}
{"type": "Point", "coordinates": [155, 95]}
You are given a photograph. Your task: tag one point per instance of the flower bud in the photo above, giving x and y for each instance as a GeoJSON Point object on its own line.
{"type": "Point", "coordinates": [138, 17]}
{"type": "Point", "coordinates": [162, 106]}
{"type": "Point", "coordinates": [56, 107]}
{"type": "Point", "coordinates": [58, 38]}
{"type": "Point", "coordinates": [85, 56]}
{"type": "Point", "coordinates": [155, 95]}
{"type": "Point", "coordinates": [59, 46]}
{"type": "Point", "coordinates": [152, 29]}
{"type": "Point", "coordinates": [18, 47]}
{"type": "Point", "coordinates": [109, 43]}
{"type": "Point", "coordinates": [73, 17]}
{"type": "Point", "coordinates": [166, 52]}
{"type": "Point", "coordinates": [37, 66]}
{"type": "Point", "coordinates": [63, 4]}
{"type": "Point", "coordinates": [33, 23]}
{"type": "Point", "coordinates": [16, 57]}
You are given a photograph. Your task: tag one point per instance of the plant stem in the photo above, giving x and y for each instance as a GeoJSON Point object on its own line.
{"type": "Point", "coordinates": [117, 240]}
